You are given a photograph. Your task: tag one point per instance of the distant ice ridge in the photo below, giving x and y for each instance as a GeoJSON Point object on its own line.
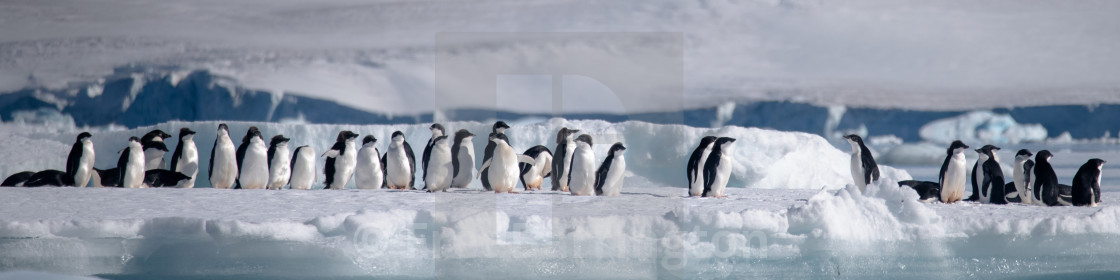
{"type": "Point", "coordinates": [983, 127]}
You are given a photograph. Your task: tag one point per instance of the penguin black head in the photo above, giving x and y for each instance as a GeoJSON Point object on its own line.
{"type": "Point", "coordinates": [564, 134]}
{"type": "Point", "coordinates": [345, 135]}
{"type": "Point", "coordinates": [988, 150]}
{"type": "Point", "coordinates": [956, 147]}
{"type": "Point", "coordinates": [223, 126]}
{"type": "Point", "coordinates": [499, 138]}
{"type": "Point", "coordinates": [154, 135]}
{"type": "Point", "coordinates": [398, 136]}
{"type": "Point", "coordinates": [724, 141]}
{"type": "Point", "coordinates": [278, 139]}
{"type": "Point", "coordinates": [463, 134]}
{"type": "Point", "coordinates": [437, 127]}
{"type": "Point", "coordinates": [185, 131]}
{"type": "Point", "coordinates": [854, 138]}
{"type": "Point", "coordinates": [1096, 162]}
{"type": "Point", "coordinates": [617, 147]}
{"type": "Point", "coordinates": [83, 136]}
{"type": "Point", "coordinates": [1023, 154]}
{"type": "Point", "coordinates": [708, 140]}
{"type": "Point", "coordinates": [133, 139]}
{"type": "Point", "coordinates": [500, 127]}
{"type": "Point", "coordinates": [1043, 156]}
{"type": "Point", "coordinates": [585, 139]}
{"type": "Point", "coordinates": [369, 139]}
{"type": "Point", "coordinates": [253, 132]}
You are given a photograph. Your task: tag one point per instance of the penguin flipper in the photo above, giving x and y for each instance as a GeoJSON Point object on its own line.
{"type": "Point", "coordinates": [210, 168]}
{"type": "Point", "coordinates": [411, 164]}
{"type": "Point", "coordinates": [74, 159]}
{"type": "Point", "coordinates": [485, 165]}
{"type": "Point", "coordinates": [709, 179]}
{"type": "Point", "coordinates": [975, 185]}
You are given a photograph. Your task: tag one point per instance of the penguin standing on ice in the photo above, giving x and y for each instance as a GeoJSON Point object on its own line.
{"type": "Point", "coordinates": [223, 160]}
{"type": "Point", "coordinates": [400, 163]}
{"type": "Point", "coordinates": [500, 127]}
{"type": "Point", "coordinates": [952, 175]}
{"type": "Point", "coordinates": [864, 169]}
{"type": "Point", "coordinates": [279, 164]}
{"type": "Point", "coordinates": [581, 177]}
{"type": "Point", "coordinates": [131, 165]}
{"type": "Point", "coordinates": [1086, 188]}
{"type": "Point", "coordinates": [1019, 189]}
{"type": "Point", "coordinates": [562, 159]}
{"type": "Point", "coordinates": [462, 159]}
{"type": "Point", "coordinates": [303, 168]}
{"type": "Point", "coordinates": [532, 175]}
{"type": "Point", "coordinates": [608, 179]}
{"type": "Point", "coordinates": [369, 173]}
{"type": "Point", "coordinates": [154, 148]}
{"type": "Point", "coordinates": [717, 169]}
{"type": "Point", "coordinates": [438, 170]}
{"type": "Point", "coordinates": [1045, 180]}
{"type": "Point", "coordinates": [79, 164]}
{"type": "Point", "coordinates": [504, 164]}
{"type": "Point", "coordinates": [987, 177]}
{"type": "Point", "coordinates": [696, 163]}
{"type": "Point", "coordinates": [252, 161]}
{"type": "Point", "coordinates": [437, 131]}
{"type": "Point", "coordinates": [185, 158]}
{"type": "Point", "coordinates": [342, 159]}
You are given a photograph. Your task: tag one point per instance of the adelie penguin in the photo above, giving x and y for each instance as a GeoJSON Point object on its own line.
{"type": "Point", "coordinates": [987, 177]}
{"type": "Point", "coordinates": [79, 164]}
{"type": "Point", "coordinates": [185, 158]}
{"type": "Point", "coordinates": [369, 173]}
{"type": "Point", "coordinates": [462, 161]}
{"type": "Point", "coordinates": [562, 159]}
{"type": "Point", "coordinates": [304, 173]}
{"type": "Point", "coordinates": [279, 164]}
{"type": "Point", "coordinates": [131, 165]}
{"type": "Point", "coordinates": [1019, 189]}
{"type": "Point", "coordinates": [951, 179]}
{"type": "Point", "coordinates": [342, 159]}
{"type": "Point", "coordinates": [49, 178]}
{"type": "Point", "coordinates": [717, 169]}
{"type": "Point", "coordinates": [1045, 189]}
{"type": "Point", "coordinates": [503, 167]}
{"type": "Point", "coordinates": [581, 177]}
{"type": "Point", "coordinates": [864, 169]}
{"type": "Point", "coordinates": [695, 170]}
{"type": "Point", "coordinates": [17, 180]}
{"type": "Point", "coordinates": [154, 149]}
{"type": "Point", "coordinates": [252, 161]}
{"type": "Point", "coordinates": [532, 175]}
{"type": "Point", "coordinates": [437, 131]}
{"type": "Point", "coordinates": [499, 127]}
{"type": "Point", "coordinates": [1086, 189]}
{"type": "Point", "coordinates": [608, 179]}
{"type": "Point", "coordinates": [400, 163]}
{"type": "Point", "coordinates": [159, 178]}
{"type": "Point", "coordinates": [437, 169]}
{"type": "Point", "coordinates": [223, 160]}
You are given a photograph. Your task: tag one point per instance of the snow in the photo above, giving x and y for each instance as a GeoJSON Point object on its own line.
{"type": "Point", "coordinates": [982, 127]}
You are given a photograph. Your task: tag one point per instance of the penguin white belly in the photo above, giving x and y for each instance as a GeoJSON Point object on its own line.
{"type": "Point", "coordinates": [367, 173]}
{"type": "Point", "coordinates": [280, 169]}
{"type": "Point", "coordinates": [535, 177]}
{"type": "Point", "coordinates": [466, 167]}
{"type": "Point", "coordinates": [723, 173]}
{"type": "Point", "coordinates": [134, 173]}
{"type": "Point", "coordinates": [153, 159]}
{"type": "Point", "coordinates": [439, 177]}
{"type": "Point", "coordinates": [582, 173]}
{"type": "Point", "coordinates": [696, 187]}
{"type": "Point", "coordinates": [952, 190]}
{"type": "Point", "coordinates": [225, 166]}
{"type": "Point", "coordinates": [188, 165]}
{"type": "Point", "coordinates": [85, 167]}
{"type": "Point", "coordinates": [254, 167]}
{"type": "Point", "coordinates": [857, 171]}
{"type": "Point", "coordinates": [399, 172]}
{"type": "Point", "coordinates": [503, 170]}
{"type": "Point", "coordinates": [303, 171]}
{"type": "Point", "coordinates": [344, 166]}
{"type": "Point", "coordinates": [613, 184]}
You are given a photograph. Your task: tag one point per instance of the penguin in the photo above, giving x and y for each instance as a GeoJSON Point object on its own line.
{"type": "Point", "coordinates": [79, 164]}
{"type": "Point", "coordinates": [50, 178]}
{"type": "Point", "coordinates": [1045, 189]}
{"type": "Point", "coordinates": [864, 169]}
{"type": "Point", "coordinates": [131, 165]}
{"type": "Point", "coordinates": [437, 131]}
{"type": "Point", "coordinates": [223, 160]}
{"type": "Point", "coordinates": [499, 127]}
{"type": "Point", "coordinates": [581, 176]}
{"type": "Point", "coordinates": [110, 178]}
{"type": "Point", "coordinates": [252, 161]}
{"type": "Point", "coordinates": [369, 173]}
{"type": "Point", "coordinates": [279, 164]}
{"type": "Point", "coordinates": [532, 175]}
{"type": "Point", "coordinates": [399, 163]}
{"type": "Point", "coordinates": [17, 180]}
{"type": "Point", "coordinates": [951, 179]}
{"type": "Point", "coordinates": [562, 158]}
{"type": "Point", "coordinates": [462, 160]}
{"type": "Point", "coordinates": [303, 168]}
{"type": "Point", "coordinates": [717, 169]}
{"type": "Point", "coordinates": [987, 177]}
{"type": "Point", "coordinates": [1019, 189]}
{"type": "Point", "coordinates": [1086, 188]}
{"type": "Point", "coordinates": [696, 162]}
{"type": "Point", "coordinates": [608, 179]}
{"type": "Point", "coordinates": [927, 191]}
{"type": "Point", "coordinates": [342, 158]}
{"type": "Point", "coordinates": [439, 164]}
{"type": "Point", "coordinates": [504, 164]}
{"type": "Point", "coordinates": [158, 178]}
{"type": "Point", "coordinates": [185, 158]}
{"type": "Point", "coordinates": [154, 148]}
